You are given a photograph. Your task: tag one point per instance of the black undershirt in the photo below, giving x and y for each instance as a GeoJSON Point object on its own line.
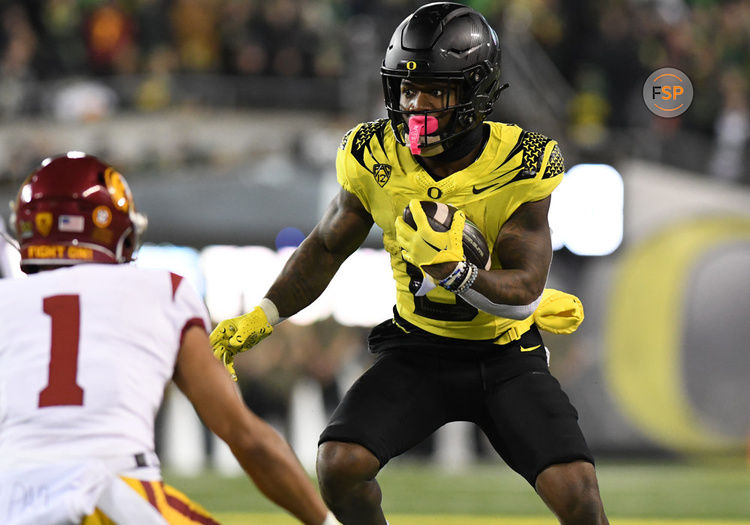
{"type": "Point", "coordinates": [460, 148]}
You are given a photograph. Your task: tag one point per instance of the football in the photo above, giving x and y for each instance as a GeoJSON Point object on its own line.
{"type": "Point", "coordinates": [440, 218]}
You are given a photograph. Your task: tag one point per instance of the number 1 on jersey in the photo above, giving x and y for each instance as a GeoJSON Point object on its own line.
{"type": "Point", "coordinates": [62, 388]}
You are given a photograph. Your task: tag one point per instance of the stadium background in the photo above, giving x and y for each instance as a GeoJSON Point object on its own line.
{"type": "Point", "coordinates": [225, 116]}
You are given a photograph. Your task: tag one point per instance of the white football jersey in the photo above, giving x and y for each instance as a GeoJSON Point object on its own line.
{"type": "Point", "coordinates": [85, 355]}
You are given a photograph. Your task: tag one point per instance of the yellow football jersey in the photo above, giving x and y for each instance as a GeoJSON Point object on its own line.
{"type": "Point", "coordinates": [516, 166]}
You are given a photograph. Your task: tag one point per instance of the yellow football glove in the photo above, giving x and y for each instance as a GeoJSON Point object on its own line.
{"type": "Point", "coordinates": [425, 246]}
{"type": "Point", "coordinates": [558, 312]}
{"type": "Point", "coordinates": [232, 336]}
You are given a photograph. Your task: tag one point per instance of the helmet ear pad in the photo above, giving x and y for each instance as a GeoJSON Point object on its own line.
{"type": "Point", "coordinates": [484, 83]}
{"type": "Point", "coordinates": [466, 119]}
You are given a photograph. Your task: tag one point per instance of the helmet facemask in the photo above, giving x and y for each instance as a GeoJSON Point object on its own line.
{"type": "Point", "coordinates": [452, 115]}
{"type": "Point", "coordinates": [131, 240]}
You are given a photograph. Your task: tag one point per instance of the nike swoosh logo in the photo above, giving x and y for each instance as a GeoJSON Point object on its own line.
{"type": "Point", "coordinates": [529, 349]}
{"type": "Point", "coordinates": [477, 191]}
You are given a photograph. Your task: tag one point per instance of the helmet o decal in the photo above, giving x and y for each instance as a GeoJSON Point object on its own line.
{"type": "Point", "coordinates": [118, 190]}
{"type": "Point", "coordinates": [102, 216]}
{"type": "Point", "coordinates": [411, 65]}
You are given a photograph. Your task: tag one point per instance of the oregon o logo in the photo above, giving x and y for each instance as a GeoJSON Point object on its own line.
{"type": "Point", "coordinates": [411, 65]}
{"type": "Point", "coordinates": [644, 337]}
{"type": "Point", "coordinates": [668, 92]}
{"type": "Point", "coordinates": [434, 192]}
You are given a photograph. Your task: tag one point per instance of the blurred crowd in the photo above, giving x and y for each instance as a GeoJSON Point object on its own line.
{"type": "Point", "coordinates": [51, 39]}
{"type": "Point", "coordinates": [604, 50]}
{"type": "Point", "coordinates": [607, 49]}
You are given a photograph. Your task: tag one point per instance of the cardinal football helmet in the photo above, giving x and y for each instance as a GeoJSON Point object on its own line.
{"type": "Point", "coordinates": [76, 209]}
{"type": "Point", "coordinates": [450, 43]}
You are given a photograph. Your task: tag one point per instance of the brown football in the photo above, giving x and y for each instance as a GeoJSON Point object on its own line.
{"type": "Point", "coordinates": [440, 217]}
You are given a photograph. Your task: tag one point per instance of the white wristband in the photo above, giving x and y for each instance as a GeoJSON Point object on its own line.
{"type": "Point", "coordinates": [330, 519]}
{"type": "Point", "coordinates": [272, 313]}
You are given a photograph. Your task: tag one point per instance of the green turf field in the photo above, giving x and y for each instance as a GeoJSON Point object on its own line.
{"type": "Point", "coordinates": [412, 519]}
{"type": "Point", "coordinates": [414, 494]}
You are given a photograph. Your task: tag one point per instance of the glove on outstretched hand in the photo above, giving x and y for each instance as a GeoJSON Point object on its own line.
{"type": "Point", "coordinates": [232, 336]}
{"type": "Point", "coordinates": [558, 312]}
{"type": "Point", "coordinates": [425, 246]}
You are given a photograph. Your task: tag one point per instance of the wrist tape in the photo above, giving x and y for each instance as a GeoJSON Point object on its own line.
{"type": "Point", "coordinates": [272, 313]}
{"type": "Point", "coordinates": [462, 277]}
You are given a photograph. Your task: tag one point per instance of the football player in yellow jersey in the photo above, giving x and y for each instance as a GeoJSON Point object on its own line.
{"type": "Point", "coordinates": [463, 343]}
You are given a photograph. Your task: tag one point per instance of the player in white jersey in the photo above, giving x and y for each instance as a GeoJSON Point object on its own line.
{"type": "Point", "coordinates": [86, 351]}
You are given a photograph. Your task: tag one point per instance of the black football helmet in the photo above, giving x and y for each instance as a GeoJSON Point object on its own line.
{"type": "Point", "coordinates": [444, 42]}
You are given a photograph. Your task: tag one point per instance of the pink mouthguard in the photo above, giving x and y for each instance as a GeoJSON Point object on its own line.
{"type": "Point", "coordinates": [417, 128]}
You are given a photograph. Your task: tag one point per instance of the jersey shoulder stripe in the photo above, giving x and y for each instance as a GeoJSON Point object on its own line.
{"type": "Point", "coordinates": [555, 164]}
{"type": "Point", "coordinates": [345, 139]}
{"type": "Point", "coordinates": [534, 145]}
{"type": "Point", "coordinates": [531, 146]}
{"type": "Point", "coordinates": [363, 158]}
{"type": "Point", "coordinates": [176, 280]}
{"type": "Point", "coordinates": [527, 157]}
{"type": "Point", "coordinates": [362, 141]}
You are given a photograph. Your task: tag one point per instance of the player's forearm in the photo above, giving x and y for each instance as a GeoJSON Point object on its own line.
{"type": "Point", "coordinates": [277, 473]}
{"type": "Point", "coordinates": [513, 287]}
{"type": "Point", "coordinates": [305, 276]}
{"type": "Point", "coordinates": [342, 229]}
{"type": "Point", "coordinates": [524, 251]}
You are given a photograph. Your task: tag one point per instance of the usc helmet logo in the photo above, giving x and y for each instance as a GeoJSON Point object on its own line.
{"type": "Point", "coordinates": [118, 190]}
{"type": "Point", "coordinates": [101, 216]}
{"type": "Point", "coordinates": [43, 222]}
